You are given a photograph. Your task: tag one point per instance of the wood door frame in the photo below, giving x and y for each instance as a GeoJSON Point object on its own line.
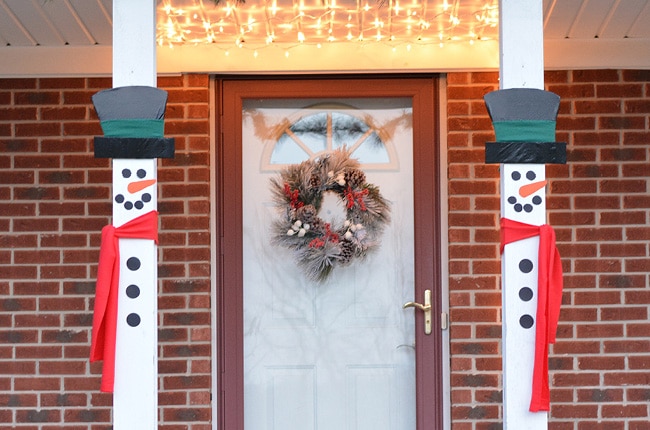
{"type": "Point", "coordinates": [429, 352]}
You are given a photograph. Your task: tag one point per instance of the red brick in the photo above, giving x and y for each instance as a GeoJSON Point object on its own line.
{"type": "Point", "coordinates": [574, 187]}
{"type": "Point", "coordinates": [637, 106]}
{"type": "Point", "coordinates": [475, 251]}
{"type": "Point", "coordinates": [473, 187]}
{"type": "Point", "coordinates": [601, 425]}
{"type": "Point", "coordinates": [627, 346]}
{"type": "Point", "coordinates": [68, 399]}
{"type": "Point", "coordinates": [19, 114]}
{"type": "Point", "coordinates": [619, 90]}
{"type": "Point", "coordinates": [621, 123]}
{"type": "Point", "coordinates": [597, 297]}
{"type": "Point", "coordinates": [61, 303]}
{"type": "Point", "coordinates": [36, 161]}
{"type": "Point", "coordinates": [64, 145]}
{"type": "Point", "coordinates": [595, 75]}
{"type": "Point", "coordinates": [81, 129]}
{"type": "Point", "coordinates": [63, 271]}
{"type": "Point", "coordinates": [68, 367]}
{"type": "Point", "coordinates": [186, 414]}
{"type": "Point", "coordinates": [18, 209]}
{"type": "Point", "coordinates": [572, 250]}
{"type": "Point", "coordinates": [623, 154]}
{"type": "Point", "coordinates": [626, 378]}
{"type": "Point", "coordinates": [39, 352]}
{"type": "Point", "coordinates": [459, 203]}
{"type": "Point", "coordinates": [638, 363]}
{"type": "Point", "coordinates": [625, 411]}
{"type": "Point", "coordinates": [598, 234]}
{"type": "Point", "coordinates": [638, 329]}
{"type": "Point", "coordinates": [62, 113]}
{"type": "Point", "coordinates": [621, 314]}
{"type": "Point", "coordinates": [484, 267]}
{"type": "Point", "coordinates": [596, 106]}
{"type": "Point", "coordinates": [595, 171]}
{"type": "Point", "coordinates": [580, 155]}
{"type": "Point", "coordinates": [601, 363]}
{"type": "Point", "coordinates": [636, 170]}
{"type": "Point", "coordinates": [635, 137]}
{"type": "Point", "coordinates": [37, 384]}
{"type": "Point", "coordinates": [466, 156]}
{"type": "Point", "coordinates": [623, 186]}
{"type": "Point", "coordinates": [637, 233]}
{"type": "Point", "coordinates": [40, 128]}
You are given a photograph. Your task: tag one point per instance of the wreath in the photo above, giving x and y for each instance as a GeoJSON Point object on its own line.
{"type": "Point", "coordinates": [320, 246]}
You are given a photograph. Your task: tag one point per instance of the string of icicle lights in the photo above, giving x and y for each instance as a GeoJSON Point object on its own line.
{"type": "Point", "coordinates": [286, 24]}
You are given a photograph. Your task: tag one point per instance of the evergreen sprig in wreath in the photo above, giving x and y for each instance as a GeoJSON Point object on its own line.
{"type": "Point", "coordinates": [317, 245]}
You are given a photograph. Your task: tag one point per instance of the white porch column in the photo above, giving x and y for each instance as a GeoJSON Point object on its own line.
{"type": "Point", "coordinates": [135, 397]}
{"type": "Point", "coordinates": [521, 66]}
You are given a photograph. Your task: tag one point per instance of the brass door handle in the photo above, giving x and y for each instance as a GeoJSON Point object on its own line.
{"type": "Point", "coordinates": [426, 308]}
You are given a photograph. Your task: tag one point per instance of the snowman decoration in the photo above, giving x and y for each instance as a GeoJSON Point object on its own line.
{"type": "Point", "coordinates": [524, 123]}
{"type": "Point", "coordinates": [124, 333]}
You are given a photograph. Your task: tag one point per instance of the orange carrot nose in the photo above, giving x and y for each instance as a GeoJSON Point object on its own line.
{"type": "Point", "coordinates": [134, 187]}
{"type": "Point", "coordinates": [528, 189]}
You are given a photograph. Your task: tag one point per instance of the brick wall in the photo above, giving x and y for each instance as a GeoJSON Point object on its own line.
{"type": "Point", "coordinates": [54, 200]}
{"type": "Point", "coordinates": [600, 207]}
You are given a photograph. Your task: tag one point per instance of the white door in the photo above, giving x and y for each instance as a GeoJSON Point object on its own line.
{"type": "Point", "coordinates": [340, 353]}
{"type": "Point", "coordinates": [336, 354]}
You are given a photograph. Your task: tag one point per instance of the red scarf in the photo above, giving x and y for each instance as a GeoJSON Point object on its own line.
{"type": "Point", "coordinates": [102, 346]}
{"type": "Point", "coordinates": [549, 299]}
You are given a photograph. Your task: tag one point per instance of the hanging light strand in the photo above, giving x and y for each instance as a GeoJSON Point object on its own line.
{"type": "Point", "coordinates": [313, 22]}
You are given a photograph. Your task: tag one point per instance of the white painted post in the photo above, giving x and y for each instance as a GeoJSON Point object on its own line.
{"type": "Point", "coordinates": [135, 396]}
{"type": "Point", "coordinates": [521, 66]}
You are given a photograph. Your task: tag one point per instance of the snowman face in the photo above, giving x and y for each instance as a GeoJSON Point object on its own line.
{"type": "Point", "coordinates": [523, 192]}
{"type": "Point", "coordinates": [134, 189]}
{"type": "Point", "coordinates": [529, 187]}
{"type": "Point", "coordinates": [136, 196]}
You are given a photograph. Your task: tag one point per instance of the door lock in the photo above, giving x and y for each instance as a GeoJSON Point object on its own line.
{"type": "Point", "coordinates": [426, 308]}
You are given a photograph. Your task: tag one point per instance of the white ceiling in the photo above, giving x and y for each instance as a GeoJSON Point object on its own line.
{"type": "Point", "coordinates": [73, 37]}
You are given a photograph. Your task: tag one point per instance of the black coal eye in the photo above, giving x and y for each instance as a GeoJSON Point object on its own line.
{"type": "Point", "coordinates": [141, 173]}
{"type": "Point", "coordinates": [119, 198]}
{"type": "Point", "coordinates": [531, 175]}
{"type": "Point", "coordinates": [126, 173]}
{"type": "Point", "coordinates": [516, 176]}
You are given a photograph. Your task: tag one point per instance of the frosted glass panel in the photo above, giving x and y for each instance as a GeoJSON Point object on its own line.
{"type": "Point", "coordinates": [335, 355]}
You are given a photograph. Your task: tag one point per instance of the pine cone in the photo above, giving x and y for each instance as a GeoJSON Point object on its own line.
{"type": "Point", "coordinates": [317, 226]}
{"type": "Point", "coordinates": [347, 252]}
{"type": "Point", "coordinates": [307, 214]}
{"type": "Point", "coordinates": [315, 182]}
{"type": "Point", "coordinates": [355, 178]}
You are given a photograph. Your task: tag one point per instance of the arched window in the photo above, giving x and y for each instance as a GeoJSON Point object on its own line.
{"type": "Point", "coordinates": [310, 132]}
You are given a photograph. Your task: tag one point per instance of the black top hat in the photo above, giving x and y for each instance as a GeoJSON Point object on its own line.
{"type": "Point", "coordinates": [132, 122]}
{"type": "Point", "coordinates": [524, 122]}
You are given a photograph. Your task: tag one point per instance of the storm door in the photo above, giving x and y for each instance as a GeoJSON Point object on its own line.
{"type": "Point", "coordinates": [313, 329]}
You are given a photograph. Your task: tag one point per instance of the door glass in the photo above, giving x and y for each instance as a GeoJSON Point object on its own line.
{"type": "Point", "coordinates": [337, 354]}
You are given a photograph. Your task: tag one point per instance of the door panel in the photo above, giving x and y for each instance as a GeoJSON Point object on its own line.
{"type": "Point", "coordinates": [295, 354]}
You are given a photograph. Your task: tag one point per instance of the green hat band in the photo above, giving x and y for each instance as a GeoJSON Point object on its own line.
{"type": "Point", "coordinates": [525, 131]}
{"type": "Point", "coordinates": [133, 127]}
